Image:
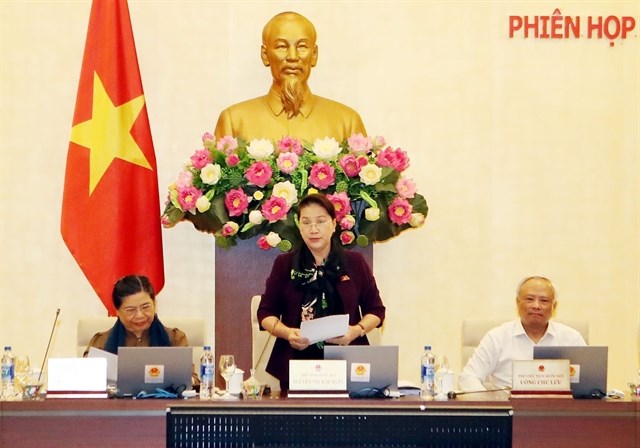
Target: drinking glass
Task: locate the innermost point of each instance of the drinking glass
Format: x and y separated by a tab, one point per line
227	369
441	371
22	371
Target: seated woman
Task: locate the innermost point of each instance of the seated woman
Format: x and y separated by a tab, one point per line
318	279
137	324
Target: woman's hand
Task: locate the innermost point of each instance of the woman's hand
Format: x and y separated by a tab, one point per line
352	333
296	340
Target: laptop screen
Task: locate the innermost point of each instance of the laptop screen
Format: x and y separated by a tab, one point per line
588	370
150	368
368	366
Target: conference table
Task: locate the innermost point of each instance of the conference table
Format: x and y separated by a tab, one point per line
535	422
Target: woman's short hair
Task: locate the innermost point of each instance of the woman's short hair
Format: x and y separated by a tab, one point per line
130	285
318	199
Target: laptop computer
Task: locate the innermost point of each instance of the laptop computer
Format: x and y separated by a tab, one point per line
150	368
368	366
588	370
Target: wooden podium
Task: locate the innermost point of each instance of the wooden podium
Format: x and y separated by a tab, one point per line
241	272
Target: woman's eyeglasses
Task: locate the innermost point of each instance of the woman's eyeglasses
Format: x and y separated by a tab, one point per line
146	308
318	224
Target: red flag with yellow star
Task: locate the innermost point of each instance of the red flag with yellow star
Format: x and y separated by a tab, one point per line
111	207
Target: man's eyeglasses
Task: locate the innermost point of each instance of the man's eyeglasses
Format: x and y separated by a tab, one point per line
146	308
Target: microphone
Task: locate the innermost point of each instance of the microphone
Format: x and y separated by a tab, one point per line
453	394
49	344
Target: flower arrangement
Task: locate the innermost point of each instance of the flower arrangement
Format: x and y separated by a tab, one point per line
234	189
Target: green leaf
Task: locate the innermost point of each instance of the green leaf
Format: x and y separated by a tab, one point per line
419	204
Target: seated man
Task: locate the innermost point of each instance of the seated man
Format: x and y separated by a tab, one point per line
492	360
289	109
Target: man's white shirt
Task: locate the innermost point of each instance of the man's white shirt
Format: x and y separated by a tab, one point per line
491	363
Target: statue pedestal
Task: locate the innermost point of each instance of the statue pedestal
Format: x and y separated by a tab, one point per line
241	273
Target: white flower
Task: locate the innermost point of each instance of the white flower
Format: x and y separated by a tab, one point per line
203	204
273	239
210	174
255	217
258	195
326	148
370	174
287	191
372	214
260	149
417	219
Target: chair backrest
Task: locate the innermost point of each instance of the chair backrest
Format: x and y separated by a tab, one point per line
192	327
261	341
473	330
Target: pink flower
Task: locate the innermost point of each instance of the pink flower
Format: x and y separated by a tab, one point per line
233	159
406	188
287	162
201	158
394	158
402	160
166	222
359	144
263	243
187	197
322	175
400	211
227	144
351	165
185	179
259	173
379	141
386	157
347	237
347	222
236	202
288	144
275	208
230	228
208	140
341	203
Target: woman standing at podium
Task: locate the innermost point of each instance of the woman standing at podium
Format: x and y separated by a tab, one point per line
316	280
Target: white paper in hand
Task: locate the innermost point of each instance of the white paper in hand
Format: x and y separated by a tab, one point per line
112	362
324	328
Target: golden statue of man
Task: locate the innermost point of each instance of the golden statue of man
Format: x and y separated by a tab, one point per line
289	109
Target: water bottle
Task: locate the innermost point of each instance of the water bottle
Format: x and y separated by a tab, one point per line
207	367
427	373
8	374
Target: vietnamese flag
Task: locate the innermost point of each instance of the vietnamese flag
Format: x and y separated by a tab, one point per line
111	208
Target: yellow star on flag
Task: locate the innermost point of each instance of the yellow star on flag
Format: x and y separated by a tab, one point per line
107	134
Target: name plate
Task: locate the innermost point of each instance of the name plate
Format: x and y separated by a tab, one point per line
541	375
317	375
77	378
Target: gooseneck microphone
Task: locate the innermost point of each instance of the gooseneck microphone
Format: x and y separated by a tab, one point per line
453	394
46	353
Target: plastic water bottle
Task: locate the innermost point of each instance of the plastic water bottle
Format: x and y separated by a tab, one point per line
8	374
207	370
427	373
